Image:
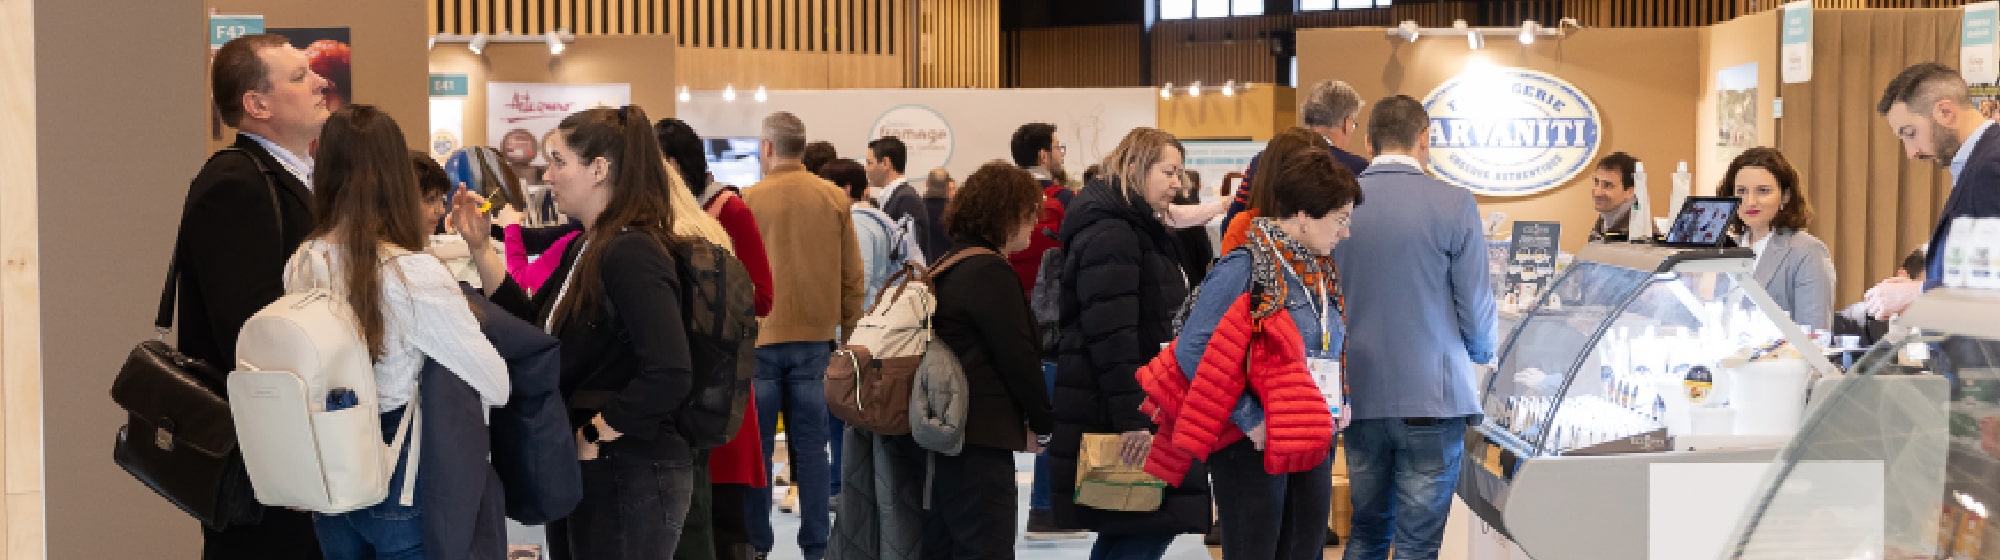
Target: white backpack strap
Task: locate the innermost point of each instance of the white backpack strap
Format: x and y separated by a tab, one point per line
411	430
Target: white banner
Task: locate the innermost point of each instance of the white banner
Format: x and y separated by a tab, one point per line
1797	38
1976	54
519	115
447	126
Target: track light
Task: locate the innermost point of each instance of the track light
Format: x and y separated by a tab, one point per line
556	46
729	93
685	96
1167	91
1229	88
1528	31
1475	40
760	96
433	44
1408	30
1194	89
478	44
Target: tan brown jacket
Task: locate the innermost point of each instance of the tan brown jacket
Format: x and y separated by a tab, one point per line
816	279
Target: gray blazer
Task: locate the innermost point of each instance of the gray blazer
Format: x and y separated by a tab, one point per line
1420	306
1798	272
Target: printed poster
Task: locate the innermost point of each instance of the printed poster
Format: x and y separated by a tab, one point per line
1797	40
520	116
1531	255
330	53
1735	110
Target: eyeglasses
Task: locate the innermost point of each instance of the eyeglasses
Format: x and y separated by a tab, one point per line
1344	221
1064	150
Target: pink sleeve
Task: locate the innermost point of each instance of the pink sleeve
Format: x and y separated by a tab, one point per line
532	275
517	253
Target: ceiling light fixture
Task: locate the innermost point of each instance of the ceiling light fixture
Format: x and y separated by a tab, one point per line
729	93
1167	91
1194	89
556	46
478	44
760	96
1229	88
685	95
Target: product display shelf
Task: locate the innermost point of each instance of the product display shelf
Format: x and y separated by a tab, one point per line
1577	412
1920	418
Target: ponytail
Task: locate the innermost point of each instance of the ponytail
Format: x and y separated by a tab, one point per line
639	199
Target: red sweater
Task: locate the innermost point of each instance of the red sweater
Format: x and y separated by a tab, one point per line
1193	415
741	461
1028	262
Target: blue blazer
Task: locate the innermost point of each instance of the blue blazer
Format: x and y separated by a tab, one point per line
1420	306
1976	193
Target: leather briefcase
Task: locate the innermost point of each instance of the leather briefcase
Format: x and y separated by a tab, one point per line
179	438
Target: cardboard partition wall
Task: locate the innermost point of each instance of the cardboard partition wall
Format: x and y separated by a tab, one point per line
644	62
1643	82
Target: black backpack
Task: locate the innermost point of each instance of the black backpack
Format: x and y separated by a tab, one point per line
719	306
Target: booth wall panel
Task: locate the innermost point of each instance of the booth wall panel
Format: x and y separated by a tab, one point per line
89	225
1872	205
647	63
1745	40
1642	81
385	33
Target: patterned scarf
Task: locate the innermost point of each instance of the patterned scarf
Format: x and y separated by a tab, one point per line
1273	251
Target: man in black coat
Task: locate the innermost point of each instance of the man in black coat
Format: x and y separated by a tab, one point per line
887	158
245	214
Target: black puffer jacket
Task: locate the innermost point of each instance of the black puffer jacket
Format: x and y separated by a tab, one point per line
1121	284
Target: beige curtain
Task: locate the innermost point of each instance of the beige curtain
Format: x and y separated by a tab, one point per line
1871	206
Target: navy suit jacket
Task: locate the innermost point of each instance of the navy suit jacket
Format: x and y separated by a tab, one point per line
1420	308
1976	193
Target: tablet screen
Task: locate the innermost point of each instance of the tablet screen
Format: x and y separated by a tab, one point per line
1703	221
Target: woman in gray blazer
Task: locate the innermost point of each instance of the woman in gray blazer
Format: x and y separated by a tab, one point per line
1793	266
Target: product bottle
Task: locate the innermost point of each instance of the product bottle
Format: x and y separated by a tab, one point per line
1979	261
1955	253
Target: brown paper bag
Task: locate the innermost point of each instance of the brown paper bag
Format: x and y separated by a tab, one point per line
1104	481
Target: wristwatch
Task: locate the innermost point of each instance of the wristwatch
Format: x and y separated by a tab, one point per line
590	433
1042	440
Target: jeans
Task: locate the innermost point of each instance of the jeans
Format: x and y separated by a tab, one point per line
1403	476
1038	494
792	377
384	531
632	509
1150	547
697	540
836	436
1281	517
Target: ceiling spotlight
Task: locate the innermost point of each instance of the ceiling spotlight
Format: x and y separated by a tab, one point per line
555	43
729	92
433	44
1167	91
1474	39
685	96
1246	86
1408	30
478	44
760	96
1229	88
1528	31
1194	89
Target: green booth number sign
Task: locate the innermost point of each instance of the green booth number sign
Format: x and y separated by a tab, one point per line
449	85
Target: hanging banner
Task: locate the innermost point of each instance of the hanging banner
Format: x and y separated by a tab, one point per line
1975	53
520	115
1511	131
448	93
1798	36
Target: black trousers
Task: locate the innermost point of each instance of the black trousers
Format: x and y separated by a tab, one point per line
731	525
283	534
632	509
698	535
1282	517
973	506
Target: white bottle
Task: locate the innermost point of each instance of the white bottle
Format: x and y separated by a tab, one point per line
1641	225
1979	261
1956	245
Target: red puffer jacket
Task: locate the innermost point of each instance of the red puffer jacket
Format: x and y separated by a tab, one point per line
1194	415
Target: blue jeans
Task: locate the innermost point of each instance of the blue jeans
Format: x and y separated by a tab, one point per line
1038	494
384	531
1282	516
1150	547
792	377
837	436
1403	476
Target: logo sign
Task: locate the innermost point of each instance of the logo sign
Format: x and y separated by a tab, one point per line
1511	131
1797	39
450	85
222	28
923	131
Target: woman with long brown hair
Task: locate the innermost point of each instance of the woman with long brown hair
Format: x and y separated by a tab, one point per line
1793	266
1282	148
614	302
369	248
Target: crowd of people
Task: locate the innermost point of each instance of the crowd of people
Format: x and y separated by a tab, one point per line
1351	296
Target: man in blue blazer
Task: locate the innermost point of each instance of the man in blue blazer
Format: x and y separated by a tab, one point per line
1931	111
1421	324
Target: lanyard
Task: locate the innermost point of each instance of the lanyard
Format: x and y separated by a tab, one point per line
1321	311
549	325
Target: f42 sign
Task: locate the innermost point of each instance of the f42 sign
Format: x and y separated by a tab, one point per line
1511	131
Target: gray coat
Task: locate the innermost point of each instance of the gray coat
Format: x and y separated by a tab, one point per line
1420	308
881	510
1798	273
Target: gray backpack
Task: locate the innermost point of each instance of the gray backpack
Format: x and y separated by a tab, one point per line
939	395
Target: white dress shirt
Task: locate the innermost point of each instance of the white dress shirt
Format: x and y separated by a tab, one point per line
1398	159
300	166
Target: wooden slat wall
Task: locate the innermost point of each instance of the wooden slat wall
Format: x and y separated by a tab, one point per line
964	41
1871	206
1087	56
839	26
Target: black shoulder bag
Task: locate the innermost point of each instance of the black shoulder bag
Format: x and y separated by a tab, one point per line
178	438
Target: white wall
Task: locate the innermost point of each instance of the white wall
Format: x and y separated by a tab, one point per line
982	121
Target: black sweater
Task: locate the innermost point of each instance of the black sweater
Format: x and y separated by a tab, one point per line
630	360
983	316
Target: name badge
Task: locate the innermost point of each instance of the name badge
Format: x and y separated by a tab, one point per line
1326	374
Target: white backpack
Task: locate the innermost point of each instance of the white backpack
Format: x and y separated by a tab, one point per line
290	356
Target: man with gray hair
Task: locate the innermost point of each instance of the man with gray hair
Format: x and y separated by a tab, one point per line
1330	110
1930	109
1421	318
816	278
937	192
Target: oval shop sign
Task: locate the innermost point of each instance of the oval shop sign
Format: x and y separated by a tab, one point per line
1511	131
924	132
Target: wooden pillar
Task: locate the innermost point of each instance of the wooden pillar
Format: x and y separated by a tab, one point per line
21	515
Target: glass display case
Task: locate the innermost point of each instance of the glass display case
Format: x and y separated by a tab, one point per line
1902	459
1629	359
